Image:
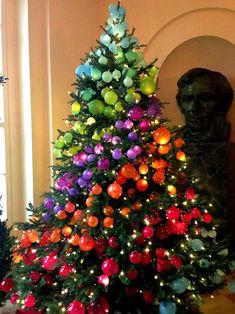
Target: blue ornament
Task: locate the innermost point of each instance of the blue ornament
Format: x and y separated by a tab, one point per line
118	30
105	39
83	70
196	244
113	47
125	43
180	285
167	307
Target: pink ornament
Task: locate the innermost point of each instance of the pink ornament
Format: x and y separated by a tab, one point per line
113	242
75	307
135	113
146	258
128	124
135	257
66	270
50	262
144	126
103	280
98	149
148	232
29	301
137	149
110	267
6	285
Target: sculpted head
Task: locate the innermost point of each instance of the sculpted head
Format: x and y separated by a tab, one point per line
204	98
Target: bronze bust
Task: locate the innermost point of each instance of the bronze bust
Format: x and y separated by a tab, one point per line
204	98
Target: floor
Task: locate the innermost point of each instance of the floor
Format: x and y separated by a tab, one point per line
222	303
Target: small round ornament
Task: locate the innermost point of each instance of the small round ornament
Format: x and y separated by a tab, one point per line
135	257
86	243
110	267
135	113
6	285
95	74
110	97
147	85
167	307
114	190
107	76
75	307
96	107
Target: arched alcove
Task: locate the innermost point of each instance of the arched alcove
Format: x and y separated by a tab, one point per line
206	51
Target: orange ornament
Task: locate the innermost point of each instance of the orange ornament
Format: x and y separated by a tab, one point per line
45	239
179	142
120	179
78	215
153	196
128	171
32	235
137	205
159	176
24	242
66	230
160	163
142	185
180	155
143	169
75	239
171	189
92	221
108	210
150	148
69	207
61	214
164	149
108	222
114	190
86	243
125	211
96	189
55	237
89	201
161	135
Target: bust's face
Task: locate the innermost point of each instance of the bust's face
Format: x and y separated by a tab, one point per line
198	104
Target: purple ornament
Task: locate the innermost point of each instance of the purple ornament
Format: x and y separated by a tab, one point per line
89	186
153	110
57	208
116	154
128	124
80	159
132	136
144	126
107	137
116	140
99	148
49	203
67	180
91	158
73	192
119	124
135	113
137	149
46	216
88	149
82	182
131	154
103	164
87	174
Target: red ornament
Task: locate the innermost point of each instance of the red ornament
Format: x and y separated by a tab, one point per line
29	258
69	207
173	213
132	274
120	179
86	243
195	212
148	296
207	218
110	267
160	253
187	217
131	192
113	242
145	258
66	270
14	298
114	190
49	279
100	245
99	306
29	301
162	232
135	257
142	185
6	285
190	194
50	262
162	265
148	232
139	240
45	239
75	307
128	171
35	276
176	261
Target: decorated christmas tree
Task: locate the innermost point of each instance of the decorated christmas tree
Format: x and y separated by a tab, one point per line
123	229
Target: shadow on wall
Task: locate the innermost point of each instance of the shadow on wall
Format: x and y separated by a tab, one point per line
208	52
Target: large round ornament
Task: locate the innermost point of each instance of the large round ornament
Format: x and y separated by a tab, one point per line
110	97
128	171
75	307
75	109
6	285
96	107
161	135
110	267
114	190
86	243
167	307
147	85
29	301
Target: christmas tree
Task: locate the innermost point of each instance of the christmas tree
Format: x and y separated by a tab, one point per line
123	228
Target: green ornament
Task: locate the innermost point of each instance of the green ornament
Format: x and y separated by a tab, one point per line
59	143
120	60
153	71
110	97
86	94
90	121
75	108
116	74
132	56
74	149
104	91
107	77
147	85
95	74
96	137
103	60
109	112
129	98
96	107
79	127
68	137
128	82
119	106
57	153
131	72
